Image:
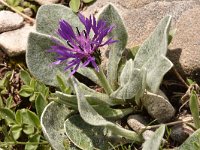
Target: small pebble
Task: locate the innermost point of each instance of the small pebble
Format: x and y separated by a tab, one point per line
10	21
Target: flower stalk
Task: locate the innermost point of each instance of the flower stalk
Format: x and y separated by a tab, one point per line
104	82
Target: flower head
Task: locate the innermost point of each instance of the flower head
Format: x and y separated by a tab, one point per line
82	49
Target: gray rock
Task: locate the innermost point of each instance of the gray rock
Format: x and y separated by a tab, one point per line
181	132
15	42
185	46
141	22
43	2
137	123
10	21
158	106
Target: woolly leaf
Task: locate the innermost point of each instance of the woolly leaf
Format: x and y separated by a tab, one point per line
111	16
48	17
52	122
154	142
39	60
90	116
192	143
130	82
79	132
151	55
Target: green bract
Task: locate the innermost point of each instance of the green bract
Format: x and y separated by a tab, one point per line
124	84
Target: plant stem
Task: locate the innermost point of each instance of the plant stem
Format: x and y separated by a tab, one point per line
104	81
131	135
17	11
169	124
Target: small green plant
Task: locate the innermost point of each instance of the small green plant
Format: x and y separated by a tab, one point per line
75	4
21	127
194	107
20	5
36	91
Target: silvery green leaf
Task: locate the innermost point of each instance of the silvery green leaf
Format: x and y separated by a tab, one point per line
151	55
111	16
143	86
126	73
130	82
112	114
90	74
192	143
94	99
52	122
48	17
88	137
103	97
89	115
99	105
154	142
39	60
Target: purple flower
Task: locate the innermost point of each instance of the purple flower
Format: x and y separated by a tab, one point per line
82	49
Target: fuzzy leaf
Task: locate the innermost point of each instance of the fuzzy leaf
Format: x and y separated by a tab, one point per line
111	16
102	97
92	99
74	5
154	142
151	55
90	74
100	106
63	87
110	113
48	17
130	82
79	132
52	122
39	61
192	142
90	116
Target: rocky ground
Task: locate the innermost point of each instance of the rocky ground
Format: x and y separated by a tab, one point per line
140	18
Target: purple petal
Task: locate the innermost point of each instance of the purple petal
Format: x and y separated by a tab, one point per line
95	65
86	62
82	18
66	27
70	64
75	69
109	41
